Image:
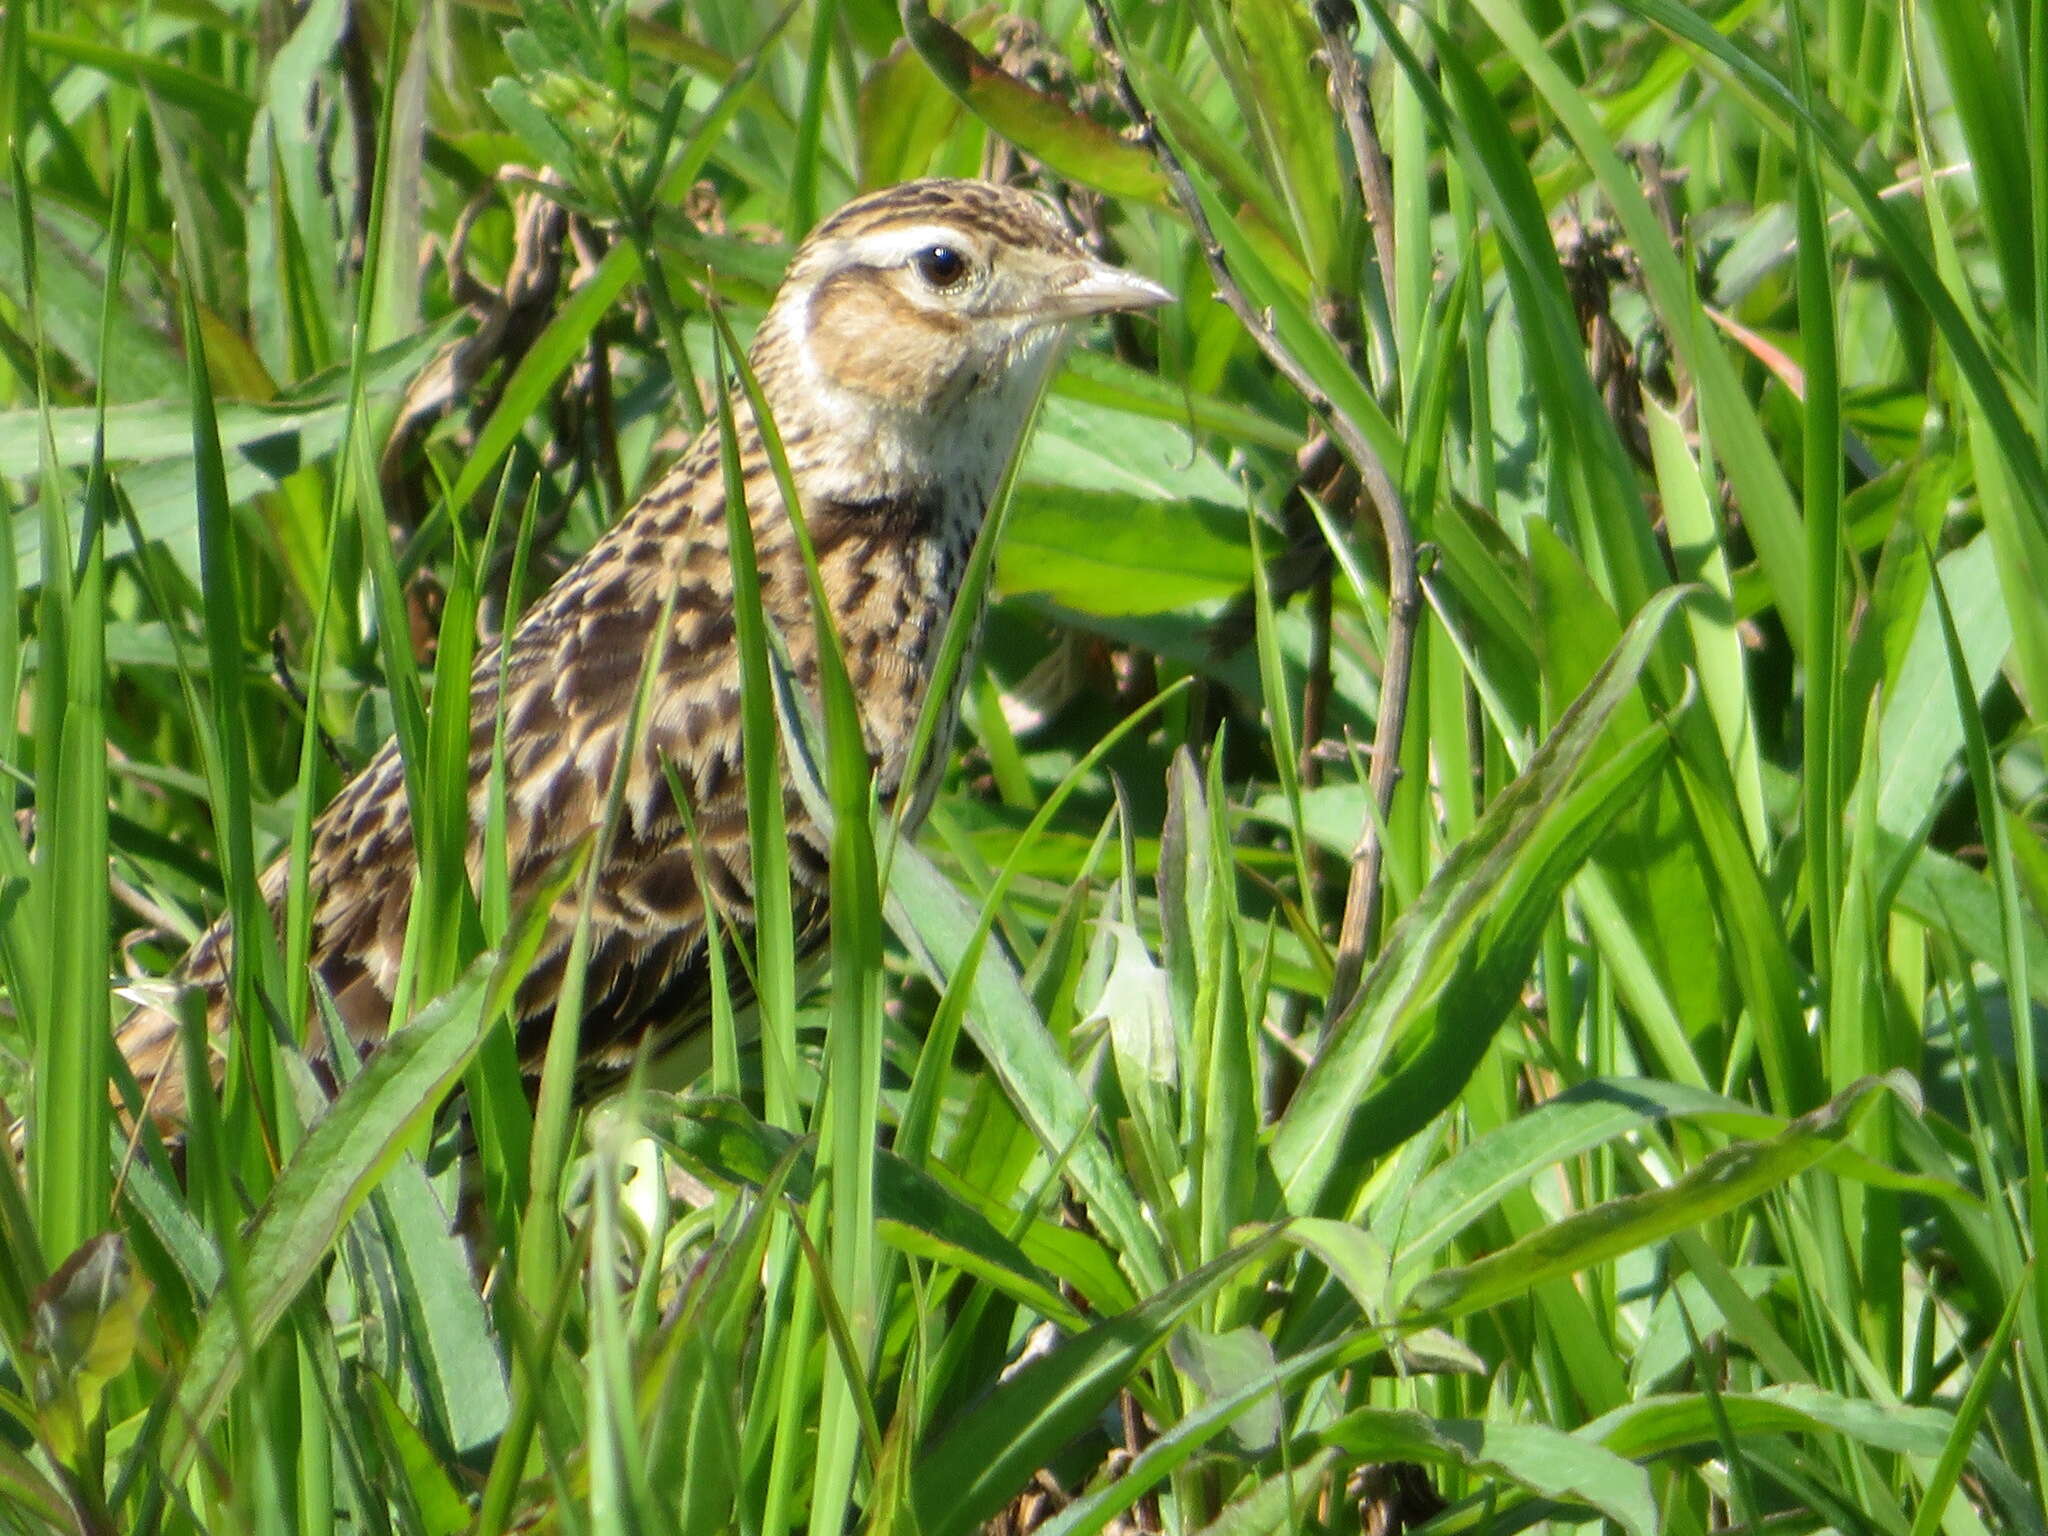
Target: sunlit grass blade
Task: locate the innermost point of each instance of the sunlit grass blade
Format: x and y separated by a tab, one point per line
227	737
2030	1213
929	915
1722	1181
343	1154
775	1440
849	1124
1529	841
1827	748
1071	143
72	1070
915	1132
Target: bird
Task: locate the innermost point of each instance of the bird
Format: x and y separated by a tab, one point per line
899	362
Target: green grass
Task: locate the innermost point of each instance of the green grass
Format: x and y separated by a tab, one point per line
1679	1165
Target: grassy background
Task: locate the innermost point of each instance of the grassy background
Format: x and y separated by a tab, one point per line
1678	1163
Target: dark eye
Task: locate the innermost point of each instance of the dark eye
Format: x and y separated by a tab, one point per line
940	265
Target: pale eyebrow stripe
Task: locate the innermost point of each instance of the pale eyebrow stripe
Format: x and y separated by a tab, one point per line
878	246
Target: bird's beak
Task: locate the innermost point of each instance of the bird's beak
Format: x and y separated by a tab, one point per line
1096	288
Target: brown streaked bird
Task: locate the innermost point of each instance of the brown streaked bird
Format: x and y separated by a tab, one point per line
899	362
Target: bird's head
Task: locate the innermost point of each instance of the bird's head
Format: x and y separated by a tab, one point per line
919	298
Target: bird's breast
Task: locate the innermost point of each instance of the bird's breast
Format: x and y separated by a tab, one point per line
892	570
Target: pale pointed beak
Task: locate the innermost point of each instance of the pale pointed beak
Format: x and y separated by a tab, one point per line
1100	289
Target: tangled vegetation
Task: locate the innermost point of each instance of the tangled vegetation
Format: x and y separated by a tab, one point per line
1476	966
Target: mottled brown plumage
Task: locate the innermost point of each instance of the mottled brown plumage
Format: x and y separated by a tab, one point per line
898	360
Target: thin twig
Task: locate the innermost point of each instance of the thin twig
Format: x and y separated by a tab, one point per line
1404	602
1375	177
1376	187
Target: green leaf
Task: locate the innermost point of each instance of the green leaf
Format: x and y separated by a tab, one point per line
435	1501
982	1460
1454	964
1284	1502
455	1359
1920	732
938	925
1649	860
1769	513
1074	146
262	446
1220	1365
209	99
1656	1426
563	341
344	1155
87	1320
1284	88
538	128
694	1436
1957	1444
1117	556
78	299
1467	1186
1721	1182
914	1213
907	118
1546	1461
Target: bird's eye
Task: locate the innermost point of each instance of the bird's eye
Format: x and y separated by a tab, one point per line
940	265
